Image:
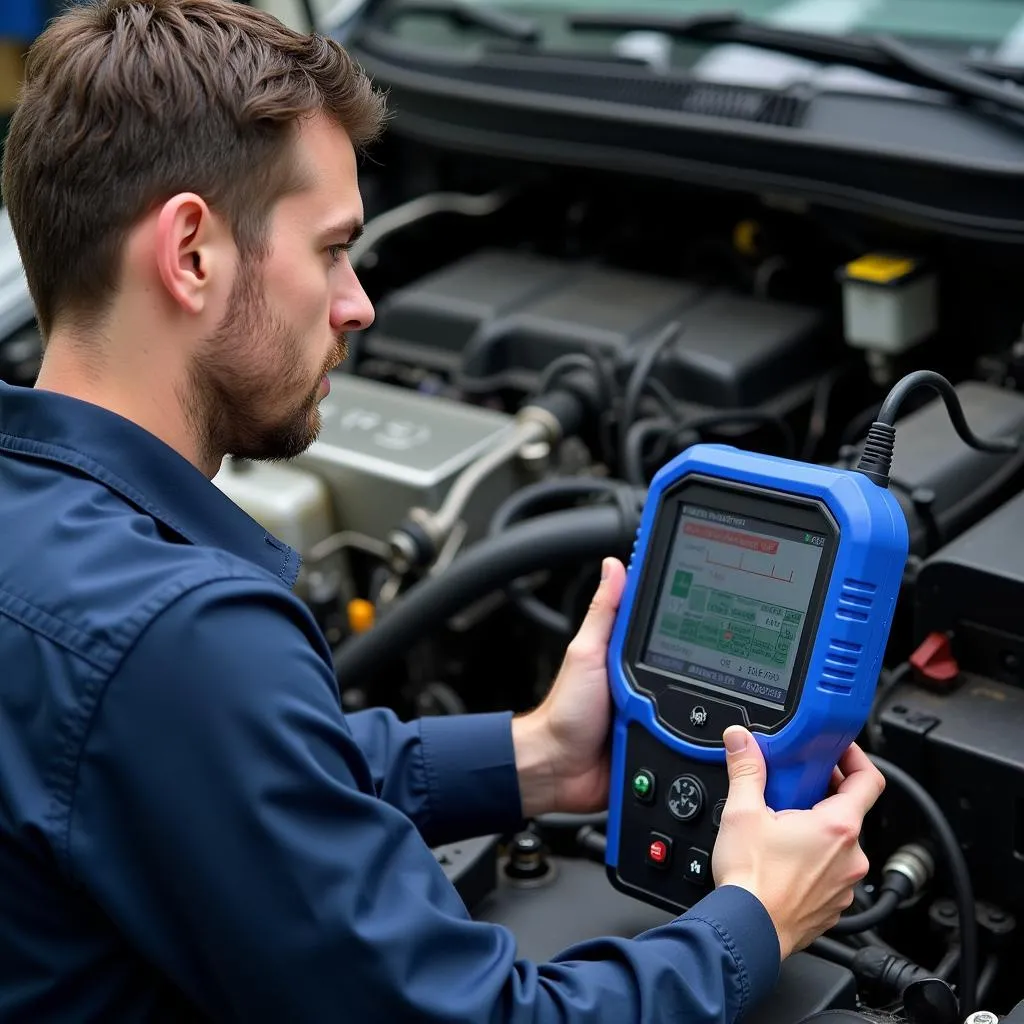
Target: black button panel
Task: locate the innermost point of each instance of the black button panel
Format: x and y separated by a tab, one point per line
698	717
667	842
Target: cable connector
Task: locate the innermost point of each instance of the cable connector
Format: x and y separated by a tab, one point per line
892	971
908	871
876	459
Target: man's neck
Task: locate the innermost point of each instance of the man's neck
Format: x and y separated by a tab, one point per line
149	399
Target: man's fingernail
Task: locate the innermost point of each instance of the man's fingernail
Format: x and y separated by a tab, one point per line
735	740
606	567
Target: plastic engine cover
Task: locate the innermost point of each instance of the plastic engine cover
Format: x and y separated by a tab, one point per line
508	315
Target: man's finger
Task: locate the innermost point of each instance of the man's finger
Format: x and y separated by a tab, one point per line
745	764
863	783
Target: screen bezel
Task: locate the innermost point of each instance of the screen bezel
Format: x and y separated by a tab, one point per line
802	513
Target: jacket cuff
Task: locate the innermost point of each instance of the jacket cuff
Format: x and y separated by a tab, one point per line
470	766
749	933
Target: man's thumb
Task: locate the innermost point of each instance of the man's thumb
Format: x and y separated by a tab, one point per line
596	629
745	764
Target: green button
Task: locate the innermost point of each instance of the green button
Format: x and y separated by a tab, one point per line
643	785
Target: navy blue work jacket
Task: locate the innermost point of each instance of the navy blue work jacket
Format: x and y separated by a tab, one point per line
190	826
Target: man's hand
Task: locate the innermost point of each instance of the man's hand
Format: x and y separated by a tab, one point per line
801	865
562	747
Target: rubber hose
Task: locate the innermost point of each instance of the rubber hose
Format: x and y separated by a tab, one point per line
560	488
832	950
879	911
514	508
491	564
961	878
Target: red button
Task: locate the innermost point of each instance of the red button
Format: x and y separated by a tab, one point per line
658	851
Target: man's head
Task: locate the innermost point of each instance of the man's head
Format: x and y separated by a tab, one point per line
181	179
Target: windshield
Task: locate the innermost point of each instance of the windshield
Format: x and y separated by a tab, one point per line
992	29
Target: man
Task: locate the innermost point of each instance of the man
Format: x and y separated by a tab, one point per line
190	828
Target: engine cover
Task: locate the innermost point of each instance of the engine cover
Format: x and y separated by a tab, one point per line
384	449
503	315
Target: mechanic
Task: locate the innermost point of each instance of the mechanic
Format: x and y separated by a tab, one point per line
190	827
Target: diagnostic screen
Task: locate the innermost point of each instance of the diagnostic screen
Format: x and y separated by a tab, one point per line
734	601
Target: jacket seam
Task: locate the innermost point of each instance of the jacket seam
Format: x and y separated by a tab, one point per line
59	632
65	456
737	959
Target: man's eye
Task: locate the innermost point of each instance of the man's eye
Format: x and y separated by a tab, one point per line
337	251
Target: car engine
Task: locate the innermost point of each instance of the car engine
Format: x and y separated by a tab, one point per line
544	340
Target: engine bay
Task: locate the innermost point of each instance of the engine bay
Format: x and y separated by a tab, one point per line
492	436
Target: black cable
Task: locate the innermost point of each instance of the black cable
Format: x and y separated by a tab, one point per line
592	843
832	949
817	423
887	683
961	878
948	964
560	490
876	458
637	435
875	914
928	378
637	381
547	542
573	361
514	508
988	976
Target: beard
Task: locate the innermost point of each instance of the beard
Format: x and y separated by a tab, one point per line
249	393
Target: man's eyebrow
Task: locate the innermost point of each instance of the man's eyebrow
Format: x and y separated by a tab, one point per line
352	228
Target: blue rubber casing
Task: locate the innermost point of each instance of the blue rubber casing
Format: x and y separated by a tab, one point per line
846	653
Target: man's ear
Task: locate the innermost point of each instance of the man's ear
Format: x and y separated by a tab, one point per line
189	251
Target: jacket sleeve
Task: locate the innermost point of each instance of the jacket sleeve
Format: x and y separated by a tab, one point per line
227	822
454	776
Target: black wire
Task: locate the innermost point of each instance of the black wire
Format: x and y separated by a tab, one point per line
878	912
988	976
837	952
817	423
961	878
887	683
638	379
559	491
928	378
948	964
639	433
632	453
574	360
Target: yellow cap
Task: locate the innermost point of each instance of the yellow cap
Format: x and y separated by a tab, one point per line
744	237
361	615
880	269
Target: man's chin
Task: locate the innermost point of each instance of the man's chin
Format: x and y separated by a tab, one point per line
287	442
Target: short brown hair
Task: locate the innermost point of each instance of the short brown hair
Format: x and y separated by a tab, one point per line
126	103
